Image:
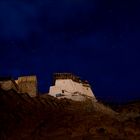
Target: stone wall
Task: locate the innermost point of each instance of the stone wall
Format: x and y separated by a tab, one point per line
28	84
8	84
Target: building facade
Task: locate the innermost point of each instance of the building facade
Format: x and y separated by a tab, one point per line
67	85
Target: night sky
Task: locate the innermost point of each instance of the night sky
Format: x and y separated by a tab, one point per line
97	40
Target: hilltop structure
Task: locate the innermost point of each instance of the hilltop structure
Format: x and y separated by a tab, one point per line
25	84
67	85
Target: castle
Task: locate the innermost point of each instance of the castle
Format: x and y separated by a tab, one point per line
65	85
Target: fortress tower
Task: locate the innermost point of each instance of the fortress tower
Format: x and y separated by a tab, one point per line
27	84
67	85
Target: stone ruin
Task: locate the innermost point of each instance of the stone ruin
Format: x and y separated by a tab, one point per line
66	85
25	84
28	84
7	83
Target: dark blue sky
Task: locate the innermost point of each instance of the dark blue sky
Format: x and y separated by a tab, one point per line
98	40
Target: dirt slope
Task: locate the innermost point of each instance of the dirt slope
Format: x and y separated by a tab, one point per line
46	118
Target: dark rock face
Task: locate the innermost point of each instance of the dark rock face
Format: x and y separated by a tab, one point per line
47	118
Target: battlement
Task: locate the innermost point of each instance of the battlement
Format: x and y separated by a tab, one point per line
66	76
71	76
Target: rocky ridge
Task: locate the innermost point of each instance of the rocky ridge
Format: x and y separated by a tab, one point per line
44	117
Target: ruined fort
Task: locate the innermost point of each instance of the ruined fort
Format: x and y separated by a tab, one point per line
64	114
24	84
65	85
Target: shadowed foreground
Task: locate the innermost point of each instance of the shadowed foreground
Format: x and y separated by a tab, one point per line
47	118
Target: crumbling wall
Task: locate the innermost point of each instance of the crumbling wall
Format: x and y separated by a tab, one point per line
28	84
8	84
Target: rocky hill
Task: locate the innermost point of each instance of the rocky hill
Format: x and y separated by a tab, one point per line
47	118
